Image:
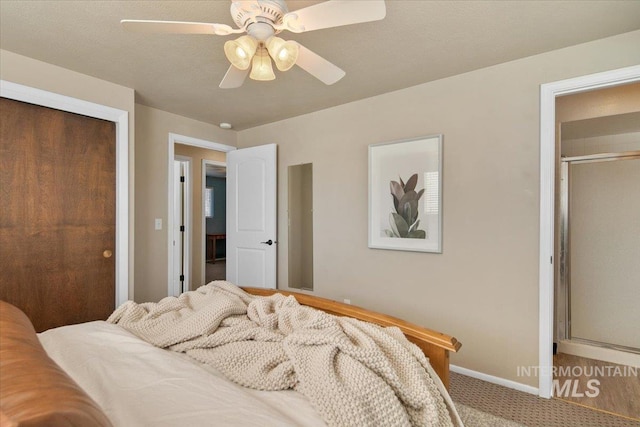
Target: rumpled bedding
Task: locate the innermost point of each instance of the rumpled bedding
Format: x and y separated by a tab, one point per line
354	373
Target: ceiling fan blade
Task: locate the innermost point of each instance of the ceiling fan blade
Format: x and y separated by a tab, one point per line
333	13
177	27
234	78
318	67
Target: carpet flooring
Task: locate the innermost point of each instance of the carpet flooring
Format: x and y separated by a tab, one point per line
527	409
472	417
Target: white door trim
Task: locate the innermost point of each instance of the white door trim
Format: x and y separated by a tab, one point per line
548	94
187	163
173	139
121	119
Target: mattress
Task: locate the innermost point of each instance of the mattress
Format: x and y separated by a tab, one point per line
137	384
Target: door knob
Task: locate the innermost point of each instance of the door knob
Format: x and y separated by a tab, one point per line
268	242
107	253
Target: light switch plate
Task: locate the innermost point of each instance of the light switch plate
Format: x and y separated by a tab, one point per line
158	224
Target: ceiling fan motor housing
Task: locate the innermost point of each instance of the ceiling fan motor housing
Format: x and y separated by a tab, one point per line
258	16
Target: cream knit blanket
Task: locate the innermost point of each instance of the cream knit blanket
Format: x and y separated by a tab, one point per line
354	373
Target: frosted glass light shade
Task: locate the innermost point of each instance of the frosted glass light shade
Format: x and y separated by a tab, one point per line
284	53
261	68
240	51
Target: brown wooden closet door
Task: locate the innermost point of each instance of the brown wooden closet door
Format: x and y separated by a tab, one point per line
57	214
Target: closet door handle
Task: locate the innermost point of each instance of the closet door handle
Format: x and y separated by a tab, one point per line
107	253
268	242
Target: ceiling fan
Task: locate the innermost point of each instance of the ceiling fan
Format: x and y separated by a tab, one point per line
262	20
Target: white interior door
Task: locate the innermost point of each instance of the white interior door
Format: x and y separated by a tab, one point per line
251	216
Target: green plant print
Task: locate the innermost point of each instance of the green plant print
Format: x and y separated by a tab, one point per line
404	221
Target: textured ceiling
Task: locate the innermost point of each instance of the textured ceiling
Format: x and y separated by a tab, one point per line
417	42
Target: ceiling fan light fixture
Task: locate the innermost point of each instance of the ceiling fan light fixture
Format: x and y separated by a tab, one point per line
261	20
284	53
262	69
240	51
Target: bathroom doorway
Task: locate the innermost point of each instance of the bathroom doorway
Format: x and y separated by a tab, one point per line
598	277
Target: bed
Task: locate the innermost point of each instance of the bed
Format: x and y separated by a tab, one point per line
103	374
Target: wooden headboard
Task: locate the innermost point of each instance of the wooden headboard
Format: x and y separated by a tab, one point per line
435	345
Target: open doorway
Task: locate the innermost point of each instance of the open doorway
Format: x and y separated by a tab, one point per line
549	159
596	282
197	150
215	218
596	313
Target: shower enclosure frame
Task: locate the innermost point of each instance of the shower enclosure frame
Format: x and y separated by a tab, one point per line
564	278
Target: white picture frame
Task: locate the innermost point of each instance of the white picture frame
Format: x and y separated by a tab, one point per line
405	195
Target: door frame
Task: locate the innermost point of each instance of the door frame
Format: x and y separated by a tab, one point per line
548	94
173	139
56	101
187	221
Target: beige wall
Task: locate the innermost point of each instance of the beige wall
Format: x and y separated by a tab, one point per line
29	72
483	288
197	233
598	103
601	144
152	135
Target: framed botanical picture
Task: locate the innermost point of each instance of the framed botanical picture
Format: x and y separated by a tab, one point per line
405	195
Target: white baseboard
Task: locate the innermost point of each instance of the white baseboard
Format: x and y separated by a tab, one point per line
495	380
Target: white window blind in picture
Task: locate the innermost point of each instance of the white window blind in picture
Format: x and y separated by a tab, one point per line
208	202
431	193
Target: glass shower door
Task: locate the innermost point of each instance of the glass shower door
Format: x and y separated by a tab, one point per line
603	251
